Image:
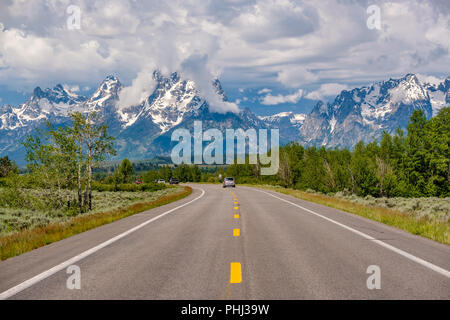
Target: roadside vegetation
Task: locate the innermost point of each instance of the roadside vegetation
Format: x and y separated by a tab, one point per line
402	180
428	219
28	239
415	164
59	196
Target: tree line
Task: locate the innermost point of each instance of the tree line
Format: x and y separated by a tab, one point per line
411	164
415	163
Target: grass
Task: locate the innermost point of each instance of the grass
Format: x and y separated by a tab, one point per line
429	226
33	209
26	240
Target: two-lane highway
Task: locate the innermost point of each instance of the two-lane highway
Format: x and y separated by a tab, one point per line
240	243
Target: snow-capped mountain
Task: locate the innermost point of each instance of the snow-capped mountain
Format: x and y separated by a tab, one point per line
141	131
289	123
42	104
144	130
175	103
364	113
53	105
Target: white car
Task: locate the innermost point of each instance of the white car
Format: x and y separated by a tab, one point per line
160	181
229	182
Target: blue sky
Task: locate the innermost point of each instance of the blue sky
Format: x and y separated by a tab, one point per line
271	56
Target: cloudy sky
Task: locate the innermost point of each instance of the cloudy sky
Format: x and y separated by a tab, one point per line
270	55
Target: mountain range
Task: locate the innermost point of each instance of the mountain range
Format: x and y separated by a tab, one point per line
144	130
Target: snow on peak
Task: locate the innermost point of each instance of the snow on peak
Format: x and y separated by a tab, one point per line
107	92
408	91
294	118
171	100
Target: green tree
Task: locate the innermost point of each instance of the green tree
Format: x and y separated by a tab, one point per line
196	173
64	157
416	153
7	167
93	145
437	146
126	171
51	159
364	171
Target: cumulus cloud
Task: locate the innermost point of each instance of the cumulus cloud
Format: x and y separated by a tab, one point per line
430	79
196	68
291	98
263	43
141	87
71	88
295	76
326	90
265	90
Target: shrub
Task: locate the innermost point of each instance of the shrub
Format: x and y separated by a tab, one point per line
130	187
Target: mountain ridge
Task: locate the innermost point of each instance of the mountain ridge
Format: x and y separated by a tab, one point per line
143	130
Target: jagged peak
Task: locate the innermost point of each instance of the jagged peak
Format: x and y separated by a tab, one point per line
320	107
110	84
111	81
111	78
37	93
60	88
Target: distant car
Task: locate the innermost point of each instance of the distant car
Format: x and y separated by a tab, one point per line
138	181
229	182
160	181
173	181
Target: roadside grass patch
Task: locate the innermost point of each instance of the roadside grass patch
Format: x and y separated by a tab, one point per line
25	240
428	222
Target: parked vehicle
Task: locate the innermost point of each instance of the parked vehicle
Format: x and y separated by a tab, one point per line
173	181
229	182
160	181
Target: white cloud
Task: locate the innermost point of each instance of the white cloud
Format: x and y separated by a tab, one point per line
141	87
196	68
295	76
259	43
71	88
291	98
429	79
265	90
326	90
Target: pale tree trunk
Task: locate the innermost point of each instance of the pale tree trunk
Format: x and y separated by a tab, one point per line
79	188
88	192
89	188
382	169
330	174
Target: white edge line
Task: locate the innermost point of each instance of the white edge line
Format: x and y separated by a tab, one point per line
30	282
407	255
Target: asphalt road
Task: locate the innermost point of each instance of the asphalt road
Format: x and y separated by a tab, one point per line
284	248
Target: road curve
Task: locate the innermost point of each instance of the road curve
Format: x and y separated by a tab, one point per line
239	243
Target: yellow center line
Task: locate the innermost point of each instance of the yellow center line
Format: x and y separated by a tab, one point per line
235	272
236	232
236	208
236	216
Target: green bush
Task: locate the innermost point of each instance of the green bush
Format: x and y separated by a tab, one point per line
130	187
